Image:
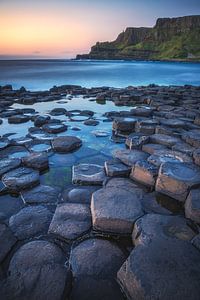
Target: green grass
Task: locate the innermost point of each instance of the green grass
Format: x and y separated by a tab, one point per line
184	46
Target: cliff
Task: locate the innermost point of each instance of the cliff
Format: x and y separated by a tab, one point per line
169	39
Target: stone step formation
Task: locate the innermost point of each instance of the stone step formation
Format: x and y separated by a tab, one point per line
125	227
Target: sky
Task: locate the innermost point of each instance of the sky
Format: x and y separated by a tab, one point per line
64	28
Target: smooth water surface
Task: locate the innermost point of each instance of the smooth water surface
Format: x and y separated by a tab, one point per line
43	74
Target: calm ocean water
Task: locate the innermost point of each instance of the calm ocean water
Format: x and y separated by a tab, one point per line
43	74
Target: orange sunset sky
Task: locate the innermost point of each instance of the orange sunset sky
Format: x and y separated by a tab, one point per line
63	28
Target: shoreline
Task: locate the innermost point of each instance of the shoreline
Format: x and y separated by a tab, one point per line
103	59
106	177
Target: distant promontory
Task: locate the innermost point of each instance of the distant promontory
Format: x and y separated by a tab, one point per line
170	39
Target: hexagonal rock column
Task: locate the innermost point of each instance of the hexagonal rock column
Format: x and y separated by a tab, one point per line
124	124
162	156
145	173
88	174
192	138
8	164
38	161
20	179
152	148
162	269
94	263
30	221
65	144
54	127
164	139
192	205
136	140
115	210
130	157
115	167
156	226
37	271
7	240
196	156
176	179
70	220
41	194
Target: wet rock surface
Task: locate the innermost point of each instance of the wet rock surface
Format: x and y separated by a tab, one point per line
109	212
116	168
21	178
8	164
37	271
38	161
30	221
88	174
96	277
176	179
41	194
66	144
70	220
130	157
7	240
115	210
152	235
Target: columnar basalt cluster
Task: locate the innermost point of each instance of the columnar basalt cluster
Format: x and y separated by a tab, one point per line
127	225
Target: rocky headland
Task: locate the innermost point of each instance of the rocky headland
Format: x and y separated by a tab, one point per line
170	39
122	226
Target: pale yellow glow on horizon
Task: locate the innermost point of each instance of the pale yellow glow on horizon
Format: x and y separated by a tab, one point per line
55	28
26	34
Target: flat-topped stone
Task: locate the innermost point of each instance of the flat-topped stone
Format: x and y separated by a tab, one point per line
38	161
147	263
192	138
14	152
192	205
80	194
94	264
184	148
30	221
115	210
130	157
174	123
91	122
152	148
70	221
21	178
136	140
95	257
115	167
41	194
65	144
164	139
17	119
7	240
176	179
143	111
54	127
41	120
145	173
8	164
157	226
88	174
124	124
37	271
162	156
4	142
196	156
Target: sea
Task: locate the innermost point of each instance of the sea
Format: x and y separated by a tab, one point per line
43	74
